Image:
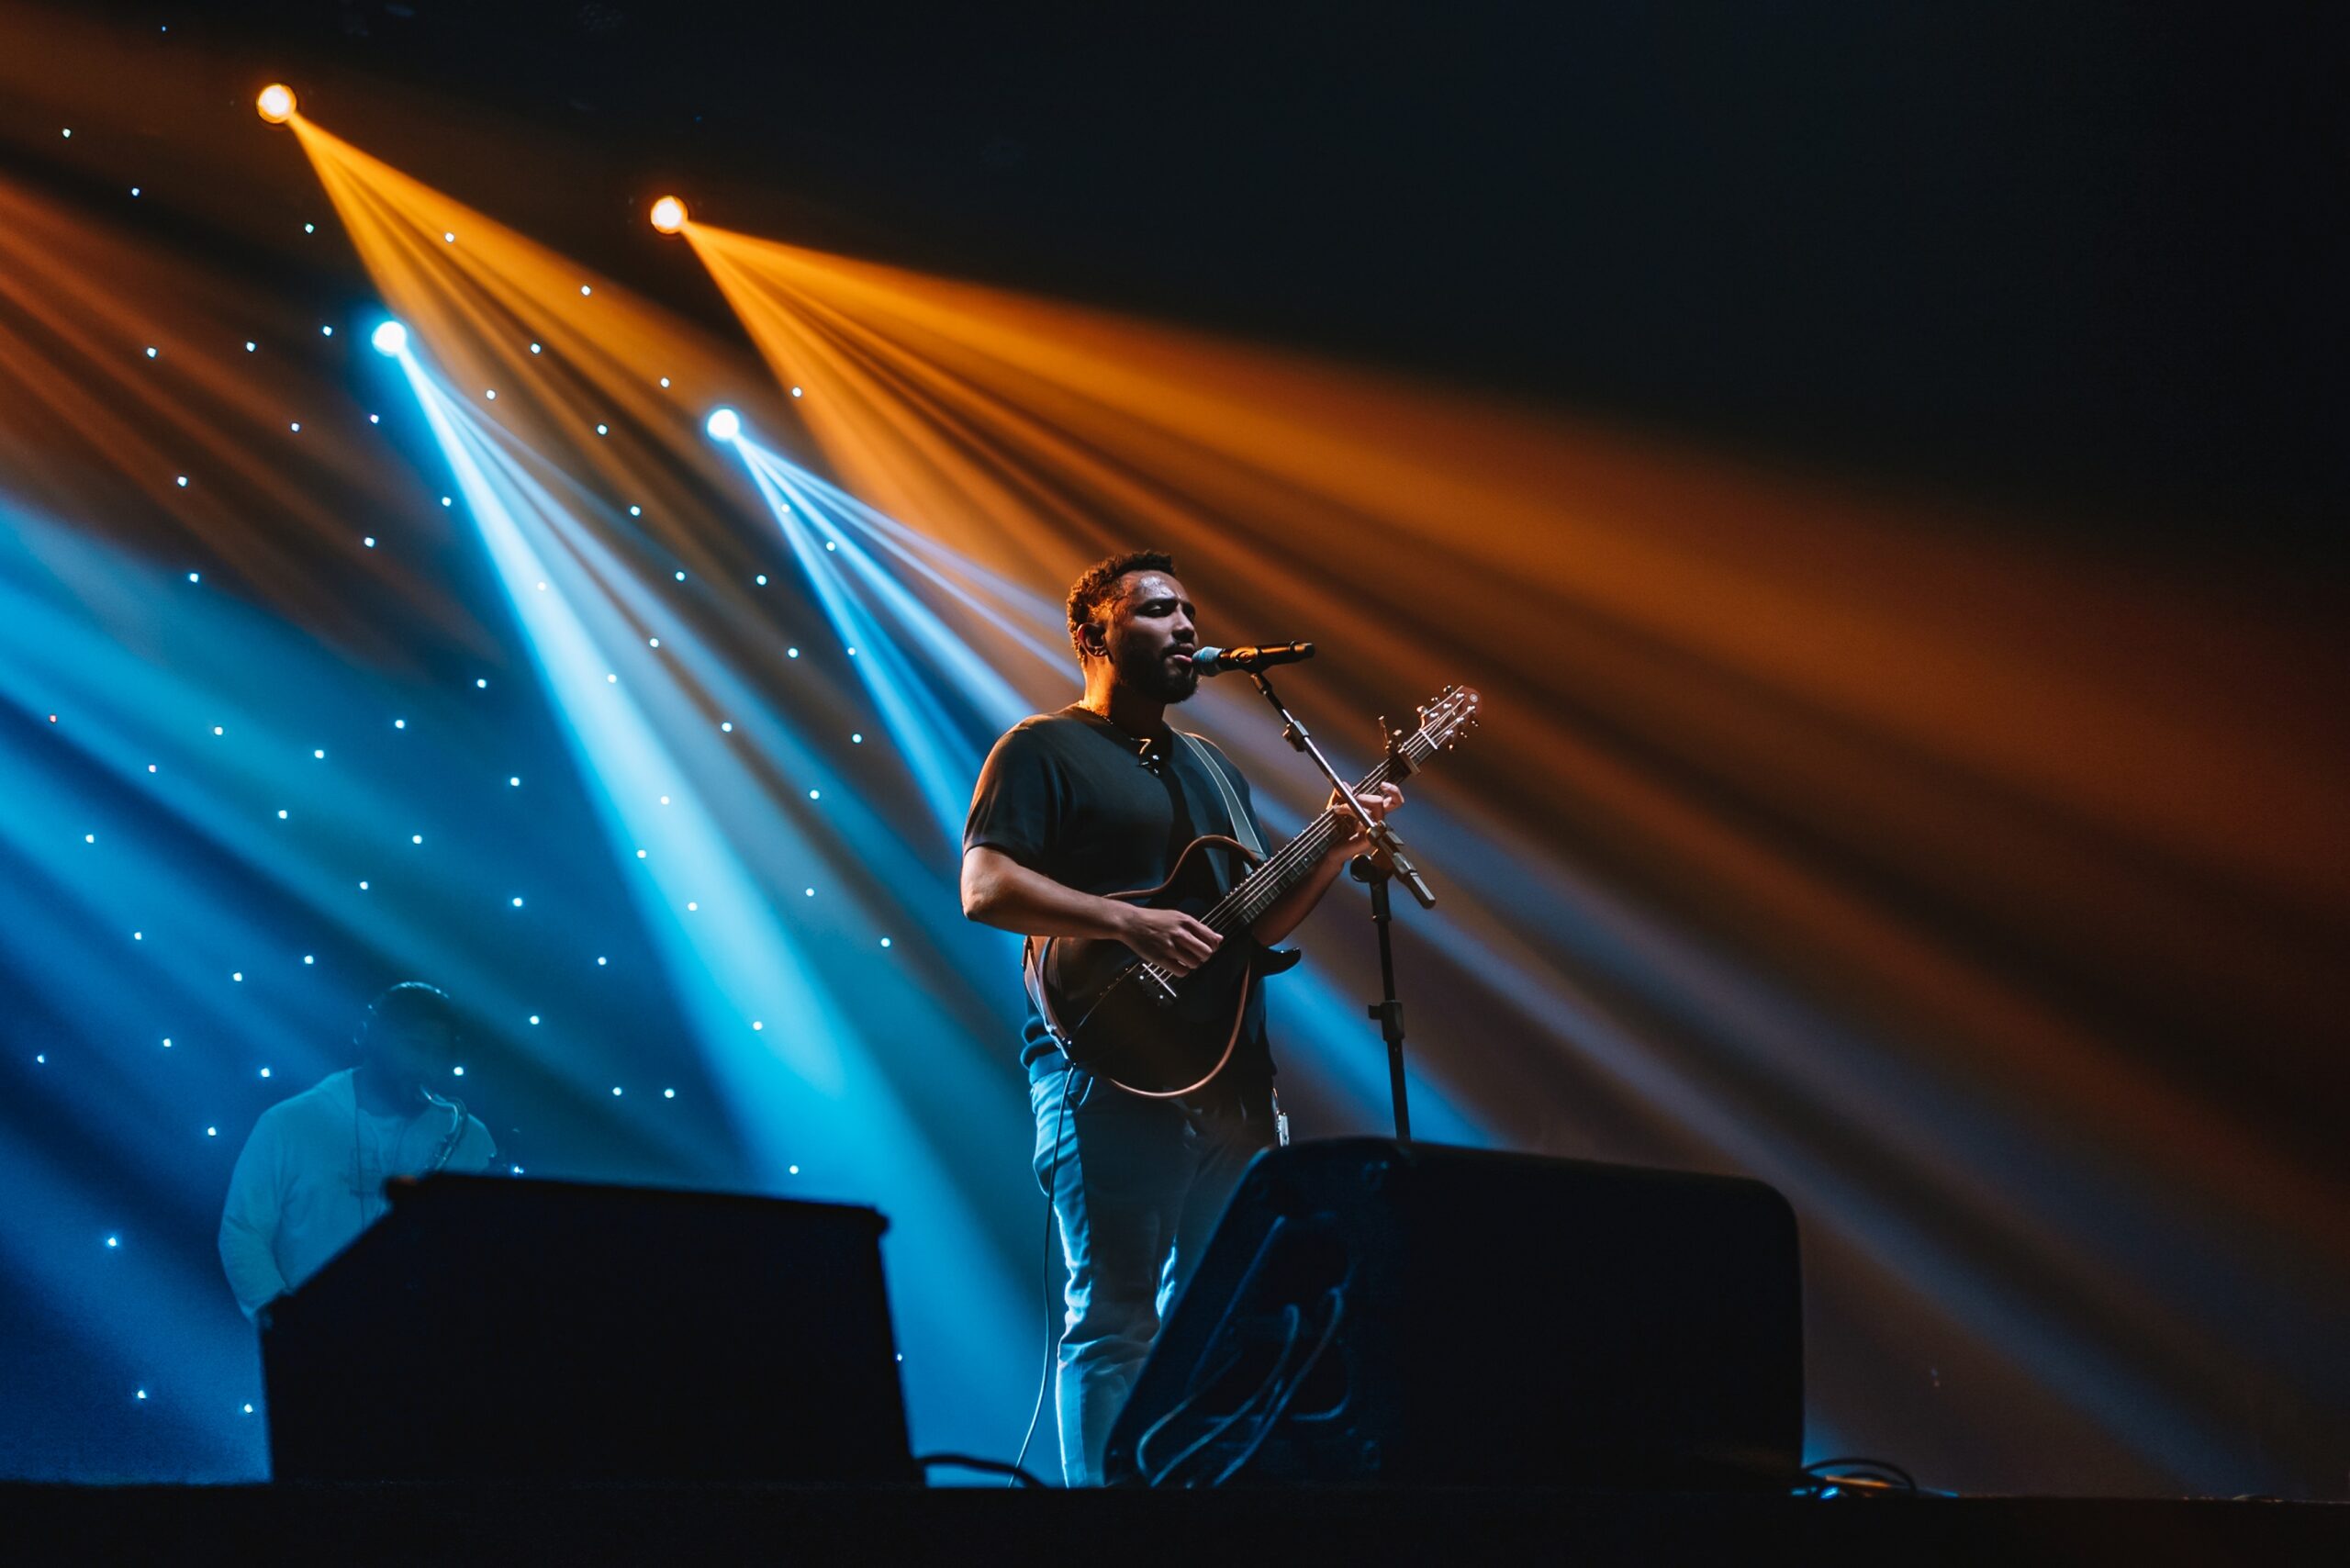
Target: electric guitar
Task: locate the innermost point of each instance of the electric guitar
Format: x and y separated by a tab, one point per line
1157	1034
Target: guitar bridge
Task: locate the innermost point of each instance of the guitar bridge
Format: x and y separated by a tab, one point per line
1157	987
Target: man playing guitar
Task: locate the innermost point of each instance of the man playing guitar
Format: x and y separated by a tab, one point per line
1103	799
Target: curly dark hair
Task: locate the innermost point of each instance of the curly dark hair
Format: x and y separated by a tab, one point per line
1087	595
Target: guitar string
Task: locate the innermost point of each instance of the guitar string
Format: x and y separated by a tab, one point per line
1307	844
1310	841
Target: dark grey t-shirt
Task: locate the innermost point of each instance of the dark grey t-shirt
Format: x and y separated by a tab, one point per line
1068	795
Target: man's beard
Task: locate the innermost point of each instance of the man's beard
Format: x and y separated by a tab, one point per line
1155	675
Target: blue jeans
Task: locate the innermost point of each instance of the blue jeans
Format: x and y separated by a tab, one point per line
1138	1189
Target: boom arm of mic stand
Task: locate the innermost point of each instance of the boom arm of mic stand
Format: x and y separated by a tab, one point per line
1388	850
1385	846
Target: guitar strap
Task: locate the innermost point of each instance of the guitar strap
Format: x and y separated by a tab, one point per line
1242	828
1032	951
1269	961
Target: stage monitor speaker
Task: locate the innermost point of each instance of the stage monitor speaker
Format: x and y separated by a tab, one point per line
1375	1311
503	1330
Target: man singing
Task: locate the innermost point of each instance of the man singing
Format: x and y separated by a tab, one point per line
1102	798
311	1176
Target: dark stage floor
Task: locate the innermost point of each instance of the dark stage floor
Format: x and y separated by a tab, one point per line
252	1525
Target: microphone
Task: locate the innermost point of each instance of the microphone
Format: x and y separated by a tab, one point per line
1219	661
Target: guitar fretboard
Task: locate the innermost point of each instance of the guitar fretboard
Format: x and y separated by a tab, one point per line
1263	888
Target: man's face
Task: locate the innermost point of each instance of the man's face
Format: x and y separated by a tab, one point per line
1148	632
414	1054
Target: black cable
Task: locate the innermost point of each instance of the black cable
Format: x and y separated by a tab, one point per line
1829	1487
1052	1301
1877	1476
1293	1321
1862	1462
1019	1477
1201	1385
1280	1407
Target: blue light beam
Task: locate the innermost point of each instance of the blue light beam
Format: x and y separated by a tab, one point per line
804	1083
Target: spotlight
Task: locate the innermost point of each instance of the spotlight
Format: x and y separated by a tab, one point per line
275	103
390	339
725	424
668	215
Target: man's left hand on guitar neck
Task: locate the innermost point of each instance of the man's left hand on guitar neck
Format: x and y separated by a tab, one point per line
1375	805
1282	919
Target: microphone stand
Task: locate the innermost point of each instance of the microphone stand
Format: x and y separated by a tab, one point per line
1387	1013
1387	861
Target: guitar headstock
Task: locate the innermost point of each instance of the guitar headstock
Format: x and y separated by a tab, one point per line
1450	716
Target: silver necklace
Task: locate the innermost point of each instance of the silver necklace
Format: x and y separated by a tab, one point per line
1148	753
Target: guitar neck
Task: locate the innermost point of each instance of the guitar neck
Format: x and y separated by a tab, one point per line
1263	887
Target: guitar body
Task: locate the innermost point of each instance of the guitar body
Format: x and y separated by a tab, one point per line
1158	1035
1111	1015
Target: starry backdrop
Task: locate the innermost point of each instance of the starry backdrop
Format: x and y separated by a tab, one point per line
279	724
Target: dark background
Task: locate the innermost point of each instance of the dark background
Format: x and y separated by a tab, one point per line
2082	259
2074	272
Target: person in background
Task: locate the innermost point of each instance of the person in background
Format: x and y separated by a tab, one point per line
311	1175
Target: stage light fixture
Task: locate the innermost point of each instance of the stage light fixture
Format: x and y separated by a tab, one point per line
276	102
668	215
390	339
725	424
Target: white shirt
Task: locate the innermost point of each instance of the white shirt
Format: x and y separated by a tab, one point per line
312	1178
